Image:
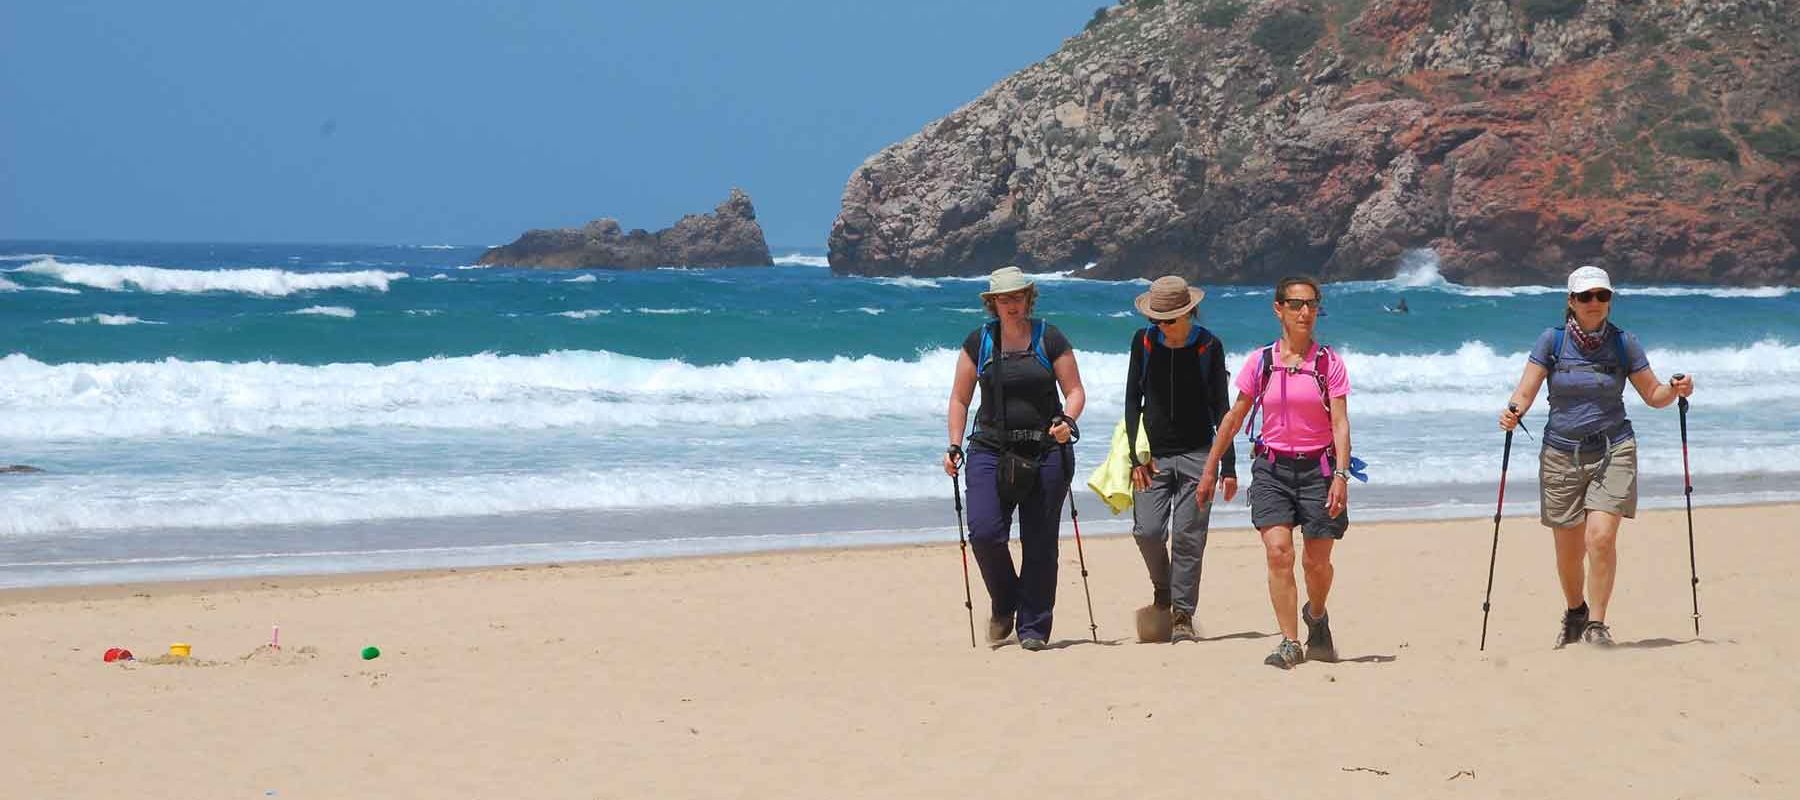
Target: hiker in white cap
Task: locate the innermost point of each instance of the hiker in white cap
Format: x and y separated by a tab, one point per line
1587	473
1176	379
1016	457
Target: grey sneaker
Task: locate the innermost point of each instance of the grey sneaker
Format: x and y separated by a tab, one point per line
1031	643
999	628
1183	629
1286	655
1318	636
1575	620
1597	634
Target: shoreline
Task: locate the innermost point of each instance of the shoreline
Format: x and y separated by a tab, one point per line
316	580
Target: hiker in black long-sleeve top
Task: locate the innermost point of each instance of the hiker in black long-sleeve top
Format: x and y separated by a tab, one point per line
1178	382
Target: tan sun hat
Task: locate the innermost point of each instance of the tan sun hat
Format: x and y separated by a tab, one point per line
1006	280
1169	297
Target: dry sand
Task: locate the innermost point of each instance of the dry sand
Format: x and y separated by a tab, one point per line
849	674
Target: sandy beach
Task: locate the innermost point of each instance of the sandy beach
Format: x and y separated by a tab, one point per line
849	673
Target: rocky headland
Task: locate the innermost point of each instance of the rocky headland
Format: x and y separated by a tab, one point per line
1237	140
728	237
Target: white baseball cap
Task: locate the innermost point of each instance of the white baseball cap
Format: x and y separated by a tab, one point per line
1590	277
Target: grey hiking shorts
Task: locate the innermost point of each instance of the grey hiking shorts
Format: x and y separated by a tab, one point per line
1292	491
1602	480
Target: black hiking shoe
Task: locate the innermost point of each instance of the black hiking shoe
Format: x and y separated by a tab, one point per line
1183	629
1318	636
1032	643
1286	655
1575	621
1597	634
999	628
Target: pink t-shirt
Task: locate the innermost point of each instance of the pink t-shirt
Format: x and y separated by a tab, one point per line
1293	418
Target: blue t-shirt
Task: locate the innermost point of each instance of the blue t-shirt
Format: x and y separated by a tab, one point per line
1585	403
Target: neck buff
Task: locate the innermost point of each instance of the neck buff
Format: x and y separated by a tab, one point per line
1586	342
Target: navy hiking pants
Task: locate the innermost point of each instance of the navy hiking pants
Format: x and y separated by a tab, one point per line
1029	593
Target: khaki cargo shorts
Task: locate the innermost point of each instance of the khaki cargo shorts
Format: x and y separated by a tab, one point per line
1601	481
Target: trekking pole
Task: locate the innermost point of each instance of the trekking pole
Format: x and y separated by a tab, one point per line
1687	493
1075	519
1494	555
968	599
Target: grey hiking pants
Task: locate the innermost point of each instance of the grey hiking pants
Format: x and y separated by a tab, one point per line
1173	557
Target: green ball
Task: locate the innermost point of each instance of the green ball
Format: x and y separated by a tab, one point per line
371	652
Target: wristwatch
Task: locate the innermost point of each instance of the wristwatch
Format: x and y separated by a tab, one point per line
1341	473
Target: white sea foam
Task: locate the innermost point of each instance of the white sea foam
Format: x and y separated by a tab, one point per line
326	311
27	256
259	500
440	277
587	313
602	391
798	260
107	319
436	247
873	312
588	278
1418	270
424	312
56	289
160	280
671	311
8	286
909	282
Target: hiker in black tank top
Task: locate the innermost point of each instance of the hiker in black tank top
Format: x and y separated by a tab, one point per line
1021	429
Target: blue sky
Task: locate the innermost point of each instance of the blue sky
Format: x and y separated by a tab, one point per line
453	121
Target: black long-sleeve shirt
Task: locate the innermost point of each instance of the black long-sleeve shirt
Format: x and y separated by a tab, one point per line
1182	395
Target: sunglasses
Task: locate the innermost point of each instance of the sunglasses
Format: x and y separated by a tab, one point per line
1591	295
1161	322
1296	303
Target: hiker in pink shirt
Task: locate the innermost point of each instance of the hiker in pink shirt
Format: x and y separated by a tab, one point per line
1299	465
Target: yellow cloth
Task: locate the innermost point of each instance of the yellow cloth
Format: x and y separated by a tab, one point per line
1112	479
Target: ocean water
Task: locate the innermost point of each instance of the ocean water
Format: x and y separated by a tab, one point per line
232	410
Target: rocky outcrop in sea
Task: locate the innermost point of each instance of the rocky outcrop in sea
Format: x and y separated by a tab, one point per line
1237	140
728	237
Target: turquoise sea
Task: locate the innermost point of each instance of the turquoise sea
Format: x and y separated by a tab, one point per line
228	410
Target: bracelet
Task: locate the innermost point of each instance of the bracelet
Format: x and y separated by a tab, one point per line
954	451
1341	473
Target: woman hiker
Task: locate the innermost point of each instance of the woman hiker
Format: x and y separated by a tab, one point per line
1016	455
1300	465
1176	379
1587	468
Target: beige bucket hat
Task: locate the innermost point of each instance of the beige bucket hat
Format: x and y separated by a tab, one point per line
1006	280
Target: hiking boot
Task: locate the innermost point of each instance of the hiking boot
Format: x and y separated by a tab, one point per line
999	628
1183	629
1575	620
1032	643
1597	634
1286	654
1318	636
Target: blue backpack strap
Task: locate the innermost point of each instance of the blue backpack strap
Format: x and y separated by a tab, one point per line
1144	368
1037	345
985	356
1556	346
